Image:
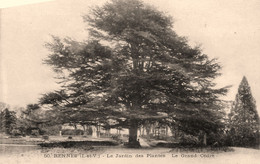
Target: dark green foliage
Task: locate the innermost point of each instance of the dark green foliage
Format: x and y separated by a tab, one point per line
72	132
244	119
49	129
147	72
37	121
189	140
31	107
8	121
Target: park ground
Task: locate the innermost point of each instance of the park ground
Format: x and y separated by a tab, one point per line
26	149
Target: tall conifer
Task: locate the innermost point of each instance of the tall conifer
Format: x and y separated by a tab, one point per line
244	119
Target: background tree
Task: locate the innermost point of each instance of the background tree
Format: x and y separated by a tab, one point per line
145	72
64	107
35	120
8	121
3	106
244	119
1	121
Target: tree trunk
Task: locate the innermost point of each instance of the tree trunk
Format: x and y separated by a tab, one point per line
132	141
176	133
148	131
94	131
205	139
98	131
84	128
107	132
153	129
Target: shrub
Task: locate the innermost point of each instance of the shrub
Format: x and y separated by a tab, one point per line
189	140
51	130
218	139
35	132
16	132
115	136
45	137
72	132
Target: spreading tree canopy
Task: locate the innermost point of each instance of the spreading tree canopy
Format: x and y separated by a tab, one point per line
134	67
244	119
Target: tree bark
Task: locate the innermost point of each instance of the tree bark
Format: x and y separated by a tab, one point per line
84	129
98	131
148	129
153	129
132	140
108	132
205	139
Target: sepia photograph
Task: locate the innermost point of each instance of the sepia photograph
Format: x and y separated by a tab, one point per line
129	81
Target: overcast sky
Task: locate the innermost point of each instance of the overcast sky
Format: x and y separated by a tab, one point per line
227	30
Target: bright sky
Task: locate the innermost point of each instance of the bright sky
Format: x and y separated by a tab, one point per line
228	30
